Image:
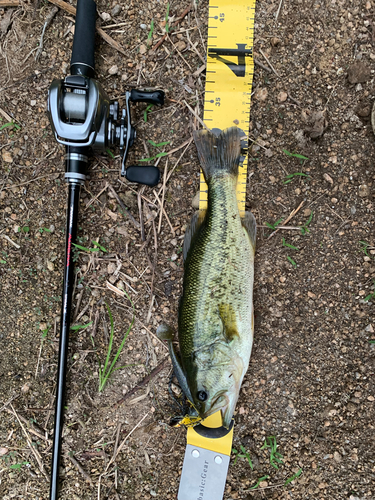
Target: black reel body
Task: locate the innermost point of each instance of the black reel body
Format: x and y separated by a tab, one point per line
82	115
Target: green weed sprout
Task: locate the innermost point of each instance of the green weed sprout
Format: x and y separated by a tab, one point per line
274	225
150	33
263	478
285	244
166	20
275	456
370	295
290	177
295	155
106	371
304	228
244	454
297	474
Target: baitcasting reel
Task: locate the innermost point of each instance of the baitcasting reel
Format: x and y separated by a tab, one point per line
82	116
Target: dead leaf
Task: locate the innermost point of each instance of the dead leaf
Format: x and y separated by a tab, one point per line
7	21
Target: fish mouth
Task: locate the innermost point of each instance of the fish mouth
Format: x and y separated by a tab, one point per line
226	404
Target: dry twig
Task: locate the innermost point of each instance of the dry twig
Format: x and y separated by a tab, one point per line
143	382
288	218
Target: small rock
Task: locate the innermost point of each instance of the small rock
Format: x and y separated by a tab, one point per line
358	72
33	102
181	45
311	295
50	266
174	257
111	268
351	407
195	200
275	41
337	457
43	326
174	242
7	157
25	388
369	328
307	212
316	121
116	10
371	398
105	16
363	191
122	230
113	70
282	97
261	94
143	26
143	49
328	178
3	451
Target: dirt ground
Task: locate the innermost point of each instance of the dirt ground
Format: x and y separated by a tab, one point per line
311	377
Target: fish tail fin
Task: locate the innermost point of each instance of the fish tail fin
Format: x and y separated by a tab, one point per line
219	154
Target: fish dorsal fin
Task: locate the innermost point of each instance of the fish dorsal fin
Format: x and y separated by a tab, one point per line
192	230
228	318
250	226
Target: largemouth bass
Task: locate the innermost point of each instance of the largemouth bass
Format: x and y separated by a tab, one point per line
215	322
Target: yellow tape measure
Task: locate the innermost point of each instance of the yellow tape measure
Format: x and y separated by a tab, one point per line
229	77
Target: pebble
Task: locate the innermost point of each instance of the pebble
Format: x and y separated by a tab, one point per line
337	457
113	70
50	266
7	157
111	268
364	191
3	451
105	16
116	10
33	102
143	26
174	257
181	45
369	328
142	49
261	94
282	97
328	178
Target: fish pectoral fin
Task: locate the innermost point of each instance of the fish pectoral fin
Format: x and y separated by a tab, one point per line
228	318
250	225
165	332
192	230
179	371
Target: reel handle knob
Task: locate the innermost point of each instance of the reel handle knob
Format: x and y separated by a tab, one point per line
156	97
149	175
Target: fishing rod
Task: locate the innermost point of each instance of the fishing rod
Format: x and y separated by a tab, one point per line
83	117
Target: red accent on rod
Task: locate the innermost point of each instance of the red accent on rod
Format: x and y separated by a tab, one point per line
68	250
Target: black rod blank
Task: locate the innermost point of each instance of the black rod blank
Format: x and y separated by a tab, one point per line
71	233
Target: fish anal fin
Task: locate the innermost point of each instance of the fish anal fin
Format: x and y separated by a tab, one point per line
250	225
192	230
228	317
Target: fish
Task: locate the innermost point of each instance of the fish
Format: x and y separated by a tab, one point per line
215	317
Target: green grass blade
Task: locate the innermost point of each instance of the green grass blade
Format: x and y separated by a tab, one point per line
95	243
297	474
263	478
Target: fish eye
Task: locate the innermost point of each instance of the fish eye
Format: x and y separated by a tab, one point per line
202	395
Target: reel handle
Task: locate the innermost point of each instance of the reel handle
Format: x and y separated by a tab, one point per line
83	60
156	97
148	175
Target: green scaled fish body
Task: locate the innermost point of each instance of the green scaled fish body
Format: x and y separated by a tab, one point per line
215	324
